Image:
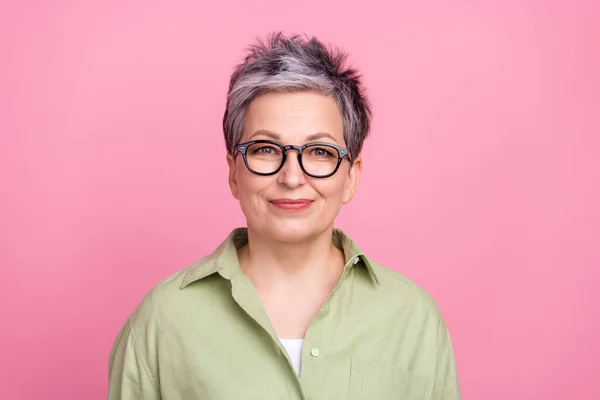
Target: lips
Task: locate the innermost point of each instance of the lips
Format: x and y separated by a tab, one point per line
292	204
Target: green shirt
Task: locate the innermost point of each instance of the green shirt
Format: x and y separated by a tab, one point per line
203	334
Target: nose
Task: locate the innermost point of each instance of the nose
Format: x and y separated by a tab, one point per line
291	174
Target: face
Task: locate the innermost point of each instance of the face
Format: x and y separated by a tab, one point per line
291	206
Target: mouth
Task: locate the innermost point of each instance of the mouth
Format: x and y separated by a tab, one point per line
292	204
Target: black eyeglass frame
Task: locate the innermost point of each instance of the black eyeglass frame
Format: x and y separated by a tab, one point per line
342	152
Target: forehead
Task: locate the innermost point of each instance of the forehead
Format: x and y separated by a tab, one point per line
294	116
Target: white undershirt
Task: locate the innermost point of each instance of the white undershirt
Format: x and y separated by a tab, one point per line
294	350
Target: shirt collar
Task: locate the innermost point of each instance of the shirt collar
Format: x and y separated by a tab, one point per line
224	260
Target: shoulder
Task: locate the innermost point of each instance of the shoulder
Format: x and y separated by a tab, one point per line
398	290
413	309
171	297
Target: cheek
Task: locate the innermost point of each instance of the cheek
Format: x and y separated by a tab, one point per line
251	187
331	189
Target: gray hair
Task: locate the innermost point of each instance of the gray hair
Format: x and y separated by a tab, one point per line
297	63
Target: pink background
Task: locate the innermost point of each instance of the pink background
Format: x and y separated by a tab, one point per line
481	180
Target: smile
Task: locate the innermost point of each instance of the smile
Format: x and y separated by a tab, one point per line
292	204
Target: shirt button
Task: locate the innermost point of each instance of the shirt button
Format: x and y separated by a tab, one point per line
356	260
315	352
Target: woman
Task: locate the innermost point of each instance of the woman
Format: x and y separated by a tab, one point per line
289	307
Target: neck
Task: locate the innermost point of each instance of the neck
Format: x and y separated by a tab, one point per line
270	262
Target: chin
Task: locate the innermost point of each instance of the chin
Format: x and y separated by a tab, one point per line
291	231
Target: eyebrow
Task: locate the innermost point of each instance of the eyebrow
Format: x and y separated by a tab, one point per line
264	132
309	138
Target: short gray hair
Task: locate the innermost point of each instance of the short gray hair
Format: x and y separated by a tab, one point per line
297	63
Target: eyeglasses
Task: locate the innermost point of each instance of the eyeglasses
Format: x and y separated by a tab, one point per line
317	160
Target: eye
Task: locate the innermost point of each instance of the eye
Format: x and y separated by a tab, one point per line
322	152
265	150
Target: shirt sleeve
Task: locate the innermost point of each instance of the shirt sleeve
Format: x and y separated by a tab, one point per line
129	376
446	380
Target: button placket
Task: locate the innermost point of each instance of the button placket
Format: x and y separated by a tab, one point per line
312	376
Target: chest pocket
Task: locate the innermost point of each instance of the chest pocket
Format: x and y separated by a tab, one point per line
372	379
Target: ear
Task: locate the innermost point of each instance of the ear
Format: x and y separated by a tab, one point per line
233	185
353	180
